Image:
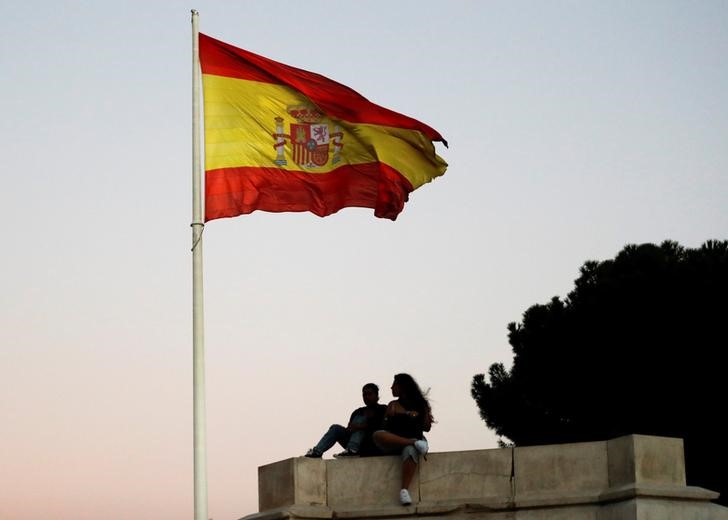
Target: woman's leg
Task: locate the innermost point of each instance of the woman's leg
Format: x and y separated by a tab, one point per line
387	439
408	471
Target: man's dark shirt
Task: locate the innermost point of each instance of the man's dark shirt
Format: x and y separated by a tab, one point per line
375	418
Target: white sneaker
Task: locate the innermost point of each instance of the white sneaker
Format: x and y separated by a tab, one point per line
404	497
422	446
346	454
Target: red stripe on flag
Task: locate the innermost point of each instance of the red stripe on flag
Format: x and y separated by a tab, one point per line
236	191
336	100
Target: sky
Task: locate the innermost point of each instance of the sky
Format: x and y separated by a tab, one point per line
575	128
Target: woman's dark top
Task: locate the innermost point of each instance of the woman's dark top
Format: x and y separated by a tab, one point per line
404	425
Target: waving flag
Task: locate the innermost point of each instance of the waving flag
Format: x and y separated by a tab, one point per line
278	138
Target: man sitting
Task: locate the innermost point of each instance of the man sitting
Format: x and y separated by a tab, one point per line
356	438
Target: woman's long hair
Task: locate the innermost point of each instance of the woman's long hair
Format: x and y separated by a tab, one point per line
411	395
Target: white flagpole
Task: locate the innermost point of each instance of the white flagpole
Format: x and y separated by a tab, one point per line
198	331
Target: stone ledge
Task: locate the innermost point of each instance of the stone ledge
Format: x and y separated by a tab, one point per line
674	492
628	478
271	514
389	512
555	499
466	505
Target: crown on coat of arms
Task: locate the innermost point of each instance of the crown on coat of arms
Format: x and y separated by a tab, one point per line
306	114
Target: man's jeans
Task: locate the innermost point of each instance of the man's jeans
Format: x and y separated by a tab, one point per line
337	433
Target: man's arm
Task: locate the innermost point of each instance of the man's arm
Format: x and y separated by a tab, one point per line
358	421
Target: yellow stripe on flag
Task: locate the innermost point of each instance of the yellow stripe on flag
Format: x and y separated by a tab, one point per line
240	128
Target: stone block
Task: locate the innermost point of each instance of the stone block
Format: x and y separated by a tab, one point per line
571	471
662	509
297	481
623	510
483	515
642	459
367	482
559	513
467	475
649	509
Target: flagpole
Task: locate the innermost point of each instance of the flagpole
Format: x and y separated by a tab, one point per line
198	332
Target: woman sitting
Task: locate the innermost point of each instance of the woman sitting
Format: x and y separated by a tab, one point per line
405	421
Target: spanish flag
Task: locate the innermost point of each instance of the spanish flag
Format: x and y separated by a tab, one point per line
278	138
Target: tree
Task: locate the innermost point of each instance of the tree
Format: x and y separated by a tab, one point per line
636	347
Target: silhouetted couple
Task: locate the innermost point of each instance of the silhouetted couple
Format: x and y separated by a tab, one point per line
375	429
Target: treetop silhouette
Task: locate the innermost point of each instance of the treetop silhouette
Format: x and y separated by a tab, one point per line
636	347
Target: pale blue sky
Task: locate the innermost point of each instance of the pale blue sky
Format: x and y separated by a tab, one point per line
574	128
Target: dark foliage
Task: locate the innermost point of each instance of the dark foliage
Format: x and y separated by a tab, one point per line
637	347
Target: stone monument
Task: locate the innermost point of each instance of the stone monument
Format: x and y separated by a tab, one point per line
635	477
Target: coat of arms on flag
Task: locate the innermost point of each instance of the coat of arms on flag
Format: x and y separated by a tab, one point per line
310	138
